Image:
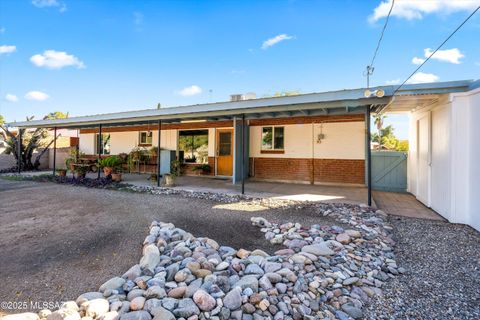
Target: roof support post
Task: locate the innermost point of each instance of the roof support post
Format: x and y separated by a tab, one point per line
54	150
369	156
100	148
19	151
243	153
159	153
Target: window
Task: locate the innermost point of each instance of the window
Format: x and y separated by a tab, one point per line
105	147
272	138
145	138
193	145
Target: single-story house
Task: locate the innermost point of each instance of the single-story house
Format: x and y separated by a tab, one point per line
317	138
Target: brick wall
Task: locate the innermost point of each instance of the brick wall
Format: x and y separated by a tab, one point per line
339	171
308	170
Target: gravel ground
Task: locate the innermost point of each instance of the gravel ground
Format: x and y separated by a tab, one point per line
57	241
443	273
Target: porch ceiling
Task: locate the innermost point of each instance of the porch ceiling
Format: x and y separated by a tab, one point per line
407	103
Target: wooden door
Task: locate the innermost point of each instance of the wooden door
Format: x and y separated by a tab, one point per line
225	152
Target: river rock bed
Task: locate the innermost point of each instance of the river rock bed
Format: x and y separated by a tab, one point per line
323	272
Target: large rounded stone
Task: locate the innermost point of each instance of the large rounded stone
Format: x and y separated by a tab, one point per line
160	313
150	259
136	315
137	303
233	299
204	301
343	238
97	308
112	284
318	249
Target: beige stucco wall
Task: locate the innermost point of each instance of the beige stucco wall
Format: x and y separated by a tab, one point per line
343	140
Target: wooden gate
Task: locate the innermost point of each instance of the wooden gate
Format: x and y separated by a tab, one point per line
389	171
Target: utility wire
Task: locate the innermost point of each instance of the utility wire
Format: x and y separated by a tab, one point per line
438	48
370	67
381	35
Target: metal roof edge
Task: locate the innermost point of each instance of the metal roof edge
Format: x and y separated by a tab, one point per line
326	98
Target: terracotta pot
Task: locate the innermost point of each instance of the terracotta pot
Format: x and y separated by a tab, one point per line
62	173
117	177
107	171
72	167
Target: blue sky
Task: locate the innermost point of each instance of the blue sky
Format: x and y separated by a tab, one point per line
89	57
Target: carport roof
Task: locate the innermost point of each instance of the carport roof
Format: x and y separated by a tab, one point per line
331	102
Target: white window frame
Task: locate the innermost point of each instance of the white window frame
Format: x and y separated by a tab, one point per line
146	136
273	139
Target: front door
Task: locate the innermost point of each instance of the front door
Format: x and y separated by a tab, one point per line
225	152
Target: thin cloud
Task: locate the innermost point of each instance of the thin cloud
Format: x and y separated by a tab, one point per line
273	41
421	77
11	97
7	49
190	91
62	7
449	55
417	9
417	60
36	96
52	59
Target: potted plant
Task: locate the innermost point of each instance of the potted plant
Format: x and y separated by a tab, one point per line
73	159
117	171
80	171
109	164
62	172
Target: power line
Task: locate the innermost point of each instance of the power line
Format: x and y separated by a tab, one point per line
370	67
381	35
438	48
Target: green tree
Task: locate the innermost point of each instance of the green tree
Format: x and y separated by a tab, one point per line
2	119
31	141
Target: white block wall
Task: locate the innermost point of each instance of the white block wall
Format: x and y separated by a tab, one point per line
343	140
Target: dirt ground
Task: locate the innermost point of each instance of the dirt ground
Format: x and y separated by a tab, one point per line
57	242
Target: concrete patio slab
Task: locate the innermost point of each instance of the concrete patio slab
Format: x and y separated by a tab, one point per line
405	205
